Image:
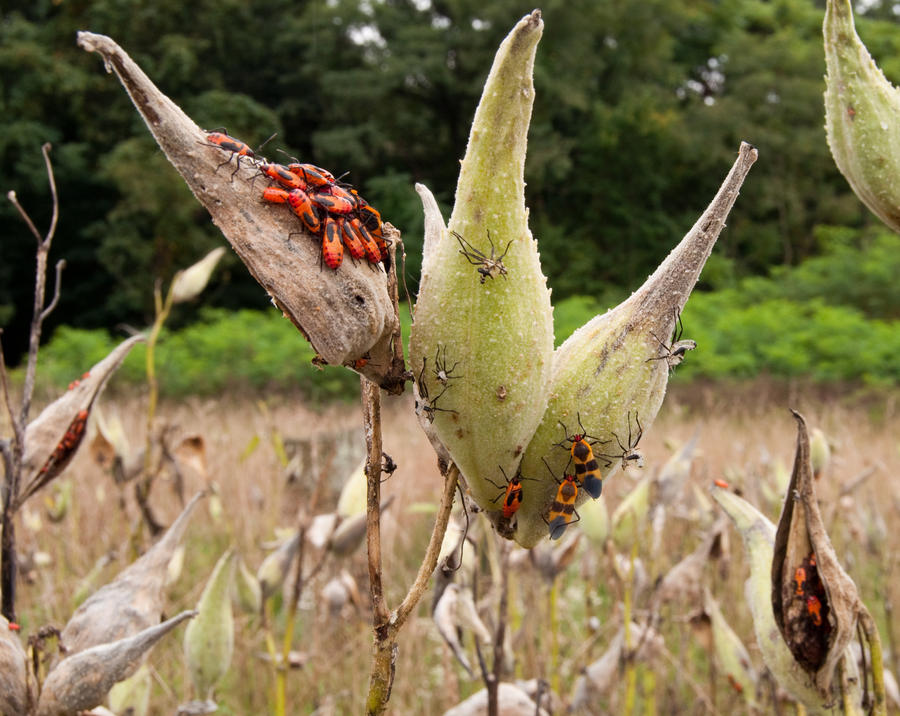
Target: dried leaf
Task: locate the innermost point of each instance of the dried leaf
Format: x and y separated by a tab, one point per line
191	451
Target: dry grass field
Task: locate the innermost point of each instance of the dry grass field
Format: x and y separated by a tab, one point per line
745	435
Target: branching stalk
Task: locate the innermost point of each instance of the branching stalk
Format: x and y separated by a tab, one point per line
13	457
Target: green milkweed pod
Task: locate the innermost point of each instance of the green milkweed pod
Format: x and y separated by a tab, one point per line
862	116
209	639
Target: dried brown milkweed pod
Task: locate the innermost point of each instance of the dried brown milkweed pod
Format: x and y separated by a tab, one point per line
815	602
52	438
133	601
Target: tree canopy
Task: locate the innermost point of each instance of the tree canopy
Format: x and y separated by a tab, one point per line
639	112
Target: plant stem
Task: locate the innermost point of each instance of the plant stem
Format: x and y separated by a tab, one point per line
879	707
13	457
145	483
387	627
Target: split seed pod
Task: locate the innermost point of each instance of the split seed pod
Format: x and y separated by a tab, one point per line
815	602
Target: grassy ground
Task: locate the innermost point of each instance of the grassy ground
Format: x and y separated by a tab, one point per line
745	434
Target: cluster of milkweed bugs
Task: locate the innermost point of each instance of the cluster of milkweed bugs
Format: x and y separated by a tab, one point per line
66	447
811	591
327	208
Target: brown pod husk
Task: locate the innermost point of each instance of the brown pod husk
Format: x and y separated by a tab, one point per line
13	674
53	438
133	601
815	602
346	314
83	680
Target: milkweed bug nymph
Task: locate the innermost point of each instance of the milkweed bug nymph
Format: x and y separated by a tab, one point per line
426	405
587	470
488	266
441	371
235	146
511	492
675	350
630	454
562	510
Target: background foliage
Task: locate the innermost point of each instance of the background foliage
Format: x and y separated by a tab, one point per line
640	109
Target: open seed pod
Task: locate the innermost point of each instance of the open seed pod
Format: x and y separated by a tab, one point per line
347	315
815	602
758	535
53	438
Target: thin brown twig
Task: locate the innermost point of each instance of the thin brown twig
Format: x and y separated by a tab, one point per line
371	399
60	265
401	614
7	398
51	232
11	195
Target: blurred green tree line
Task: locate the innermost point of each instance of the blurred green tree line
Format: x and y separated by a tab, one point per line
640	109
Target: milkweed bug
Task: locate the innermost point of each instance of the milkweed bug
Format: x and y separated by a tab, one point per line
330	202
440	370
369	215
302	206
587	470
562	510
424	404
511	493
274	195
675	350
352	240
487	266
235	146
814	609
311	174
800	579
332	250
282	175
373	254
630	453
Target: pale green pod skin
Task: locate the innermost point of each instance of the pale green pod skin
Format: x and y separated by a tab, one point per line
498	334
132	695
731	654
610	374
758	534
209	638
862	116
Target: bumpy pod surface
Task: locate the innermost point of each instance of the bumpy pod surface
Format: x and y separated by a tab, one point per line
492	335
862	116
